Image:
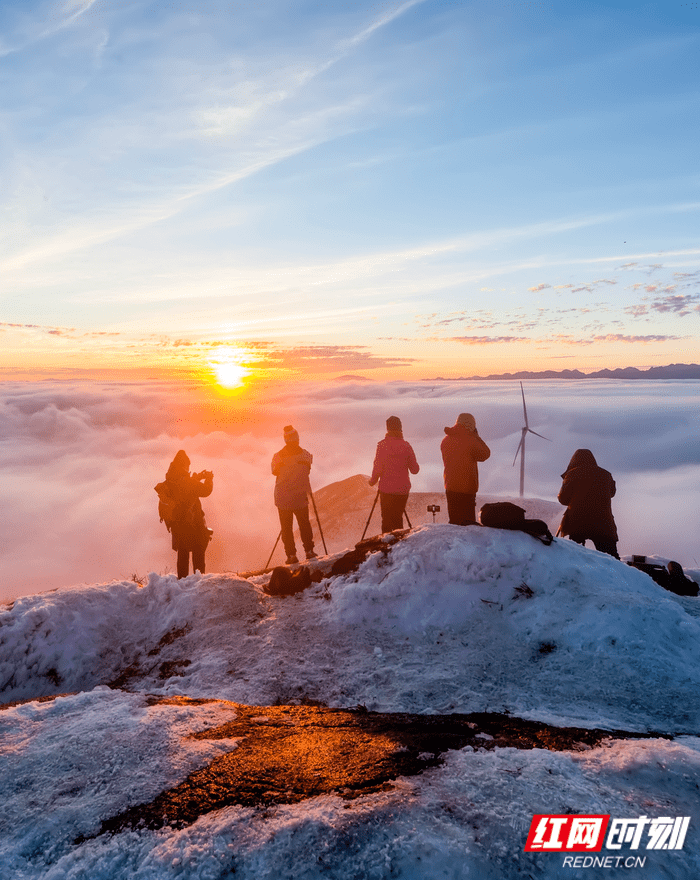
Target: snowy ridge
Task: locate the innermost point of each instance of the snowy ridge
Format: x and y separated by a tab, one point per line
450	620
440	624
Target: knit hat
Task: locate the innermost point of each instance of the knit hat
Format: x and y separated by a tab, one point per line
466	420
393	423
290	435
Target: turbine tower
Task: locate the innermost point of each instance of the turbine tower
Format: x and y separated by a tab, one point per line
521	445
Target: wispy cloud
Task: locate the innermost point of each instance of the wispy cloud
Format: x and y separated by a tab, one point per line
316	359
488	340
678	304
349	44
265	357
67	332
567	339
72	10
276	137
614	337
682	304
44	23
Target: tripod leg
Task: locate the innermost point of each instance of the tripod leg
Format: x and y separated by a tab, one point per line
323	540
376	498
273	550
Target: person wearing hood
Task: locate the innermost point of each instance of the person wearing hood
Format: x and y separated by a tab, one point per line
461	449
188	526
393	460
291	465
587	491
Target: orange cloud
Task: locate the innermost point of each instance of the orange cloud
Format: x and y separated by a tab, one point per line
487	340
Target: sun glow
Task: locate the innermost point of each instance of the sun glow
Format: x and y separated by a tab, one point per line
227	368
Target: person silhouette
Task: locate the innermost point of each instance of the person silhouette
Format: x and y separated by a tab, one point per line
461	449
291	466
587	491
392	462
188	527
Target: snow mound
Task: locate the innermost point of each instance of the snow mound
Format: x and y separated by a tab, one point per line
451	619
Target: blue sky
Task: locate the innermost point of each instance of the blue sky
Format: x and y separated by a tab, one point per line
395	189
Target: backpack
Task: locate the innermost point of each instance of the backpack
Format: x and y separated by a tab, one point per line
166	503
671	578
284	582
504	515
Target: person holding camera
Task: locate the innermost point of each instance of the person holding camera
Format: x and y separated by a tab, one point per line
392	462
187	524
461	449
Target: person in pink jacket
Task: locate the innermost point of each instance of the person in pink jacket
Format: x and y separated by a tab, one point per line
394	459
461	449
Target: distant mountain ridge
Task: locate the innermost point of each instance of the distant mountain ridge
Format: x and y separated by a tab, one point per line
672	371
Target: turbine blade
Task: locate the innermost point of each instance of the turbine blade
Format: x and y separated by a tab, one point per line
539	435
524	407
517	450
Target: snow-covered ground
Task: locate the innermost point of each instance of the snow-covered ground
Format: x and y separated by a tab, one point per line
441	624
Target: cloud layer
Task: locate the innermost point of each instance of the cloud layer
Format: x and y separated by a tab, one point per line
79	463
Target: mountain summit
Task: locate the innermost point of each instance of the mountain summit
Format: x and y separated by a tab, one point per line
134	702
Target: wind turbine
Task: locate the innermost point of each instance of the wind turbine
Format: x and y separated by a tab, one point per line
521	445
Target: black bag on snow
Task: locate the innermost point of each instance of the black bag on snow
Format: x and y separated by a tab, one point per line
678	583
504	515
284	582
671	578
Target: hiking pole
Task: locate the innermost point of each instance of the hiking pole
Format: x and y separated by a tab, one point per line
313	501
273	550
405	513
376	497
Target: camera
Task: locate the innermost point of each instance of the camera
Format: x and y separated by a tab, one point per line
433	508
203	474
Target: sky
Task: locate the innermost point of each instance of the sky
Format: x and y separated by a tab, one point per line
296	190
78	462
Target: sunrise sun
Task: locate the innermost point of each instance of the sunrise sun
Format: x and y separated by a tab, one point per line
227	368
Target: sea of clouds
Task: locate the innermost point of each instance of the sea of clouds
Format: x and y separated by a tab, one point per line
78	461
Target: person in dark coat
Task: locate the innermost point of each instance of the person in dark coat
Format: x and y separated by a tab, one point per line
393	460
587	491
461	449
188	526
291	465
